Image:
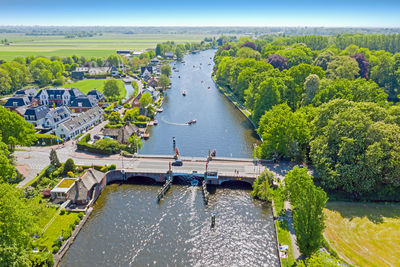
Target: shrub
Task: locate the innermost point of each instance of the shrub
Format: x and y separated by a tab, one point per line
70	174
62	212
127	105
48	139
55	249
112	167
80	215
104	169
66	233
69	166
45	181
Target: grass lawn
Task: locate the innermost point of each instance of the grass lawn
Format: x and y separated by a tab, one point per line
86	85
364	234
56	228
43	213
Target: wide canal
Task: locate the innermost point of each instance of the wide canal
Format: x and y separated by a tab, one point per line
128	227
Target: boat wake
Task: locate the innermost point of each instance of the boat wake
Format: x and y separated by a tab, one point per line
173	123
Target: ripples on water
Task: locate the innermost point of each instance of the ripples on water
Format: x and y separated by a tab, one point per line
128	228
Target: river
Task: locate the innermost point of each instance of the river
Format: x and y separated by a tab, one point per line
127	226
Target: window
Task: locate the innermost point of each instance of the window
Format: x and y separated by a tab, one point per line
32	117
15	104
80	104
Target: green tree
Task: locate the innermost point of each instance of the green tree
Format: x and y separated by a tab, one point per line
18	74
45	77
311	86
115	118
114	59
179	54
16	225
136	143
164	81
54	159
166	70
111	88
5	82
247	52
131	114
285	133
308	202
342	67
159	50
268	95
69	166
262	186
146	100
22	131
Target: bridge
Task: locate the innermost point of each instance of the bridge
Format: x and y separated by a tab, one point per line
214	172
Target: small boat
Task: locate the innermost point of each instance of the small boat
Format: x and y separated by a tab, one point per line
202	81
184	92
146	135
209	87
160	110
155	122
194	182
191	122
179	76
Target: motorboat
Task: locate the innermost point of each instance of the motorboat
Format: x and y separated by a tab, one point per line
191	122
155	122
184	92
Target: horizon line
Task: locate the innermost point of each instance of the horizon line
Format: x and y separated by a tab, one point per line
202	26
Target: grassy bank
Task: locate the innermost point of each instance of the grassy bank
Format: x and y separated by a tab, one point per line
61	226
282	227
364	234
86	85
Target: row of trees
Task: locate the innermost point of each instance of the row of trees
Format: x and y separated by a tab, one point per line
333	108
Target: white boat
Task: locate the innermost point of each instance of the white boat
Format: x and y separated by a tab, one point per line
184	92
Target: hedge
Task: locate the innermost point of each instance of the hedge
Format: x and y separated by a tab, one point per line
48	139
84	146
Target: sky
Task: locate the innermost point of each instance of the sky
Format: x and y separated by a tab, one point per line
331	13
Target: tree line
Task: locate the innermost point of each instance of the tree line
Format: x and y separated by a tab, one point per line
333	108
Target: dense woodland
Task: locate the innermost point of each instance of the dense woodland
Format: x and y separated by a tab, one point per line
328	101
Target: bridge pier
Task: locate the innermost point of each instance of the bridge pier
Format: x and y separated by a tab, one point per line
164	189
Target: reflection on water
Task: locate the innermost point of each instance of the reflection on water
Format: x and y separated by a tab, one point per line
219	124
128	228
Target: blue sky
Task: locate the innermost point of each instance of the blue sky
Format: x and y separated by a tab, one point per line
365	13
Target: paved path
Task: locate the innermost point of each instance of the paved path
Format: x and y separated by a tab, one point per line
289	217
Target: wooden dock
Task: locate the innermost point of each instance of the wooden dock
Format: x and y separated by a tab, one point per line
164	189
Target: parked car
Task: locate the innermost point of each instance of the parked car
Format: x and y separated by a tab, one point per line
96	137
177	163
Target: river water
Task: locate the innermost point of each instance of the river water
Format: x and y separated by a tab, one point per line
219	125
127	226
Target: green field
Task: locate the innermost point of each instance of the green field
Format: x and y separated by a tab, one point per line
364	234
86	85
98	46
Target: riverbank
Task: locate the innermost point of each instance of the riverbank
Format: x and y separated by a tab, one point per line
243	110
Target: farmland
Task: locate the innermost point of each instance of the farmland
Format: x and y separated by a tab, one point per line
97	46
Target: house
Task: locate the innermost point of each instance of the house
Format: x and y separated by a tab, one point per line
122	134
87	188
55	117
30	93
77	125
137	53
169	55
154	61
17	101
77	75
57	96
153	92
83	103
36	115
97	94
61	190
136	102
153	82
99	71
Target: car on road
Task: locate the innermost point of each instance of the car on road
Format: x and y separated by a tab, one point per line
177	163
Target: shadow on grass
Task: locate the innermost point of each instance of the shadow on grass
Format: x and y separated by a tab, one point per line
375	212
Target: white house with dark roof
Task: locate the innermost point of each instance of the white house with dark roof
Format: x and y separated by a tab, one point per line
80	123
83	103
55	117
36	115
17	101
57	96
